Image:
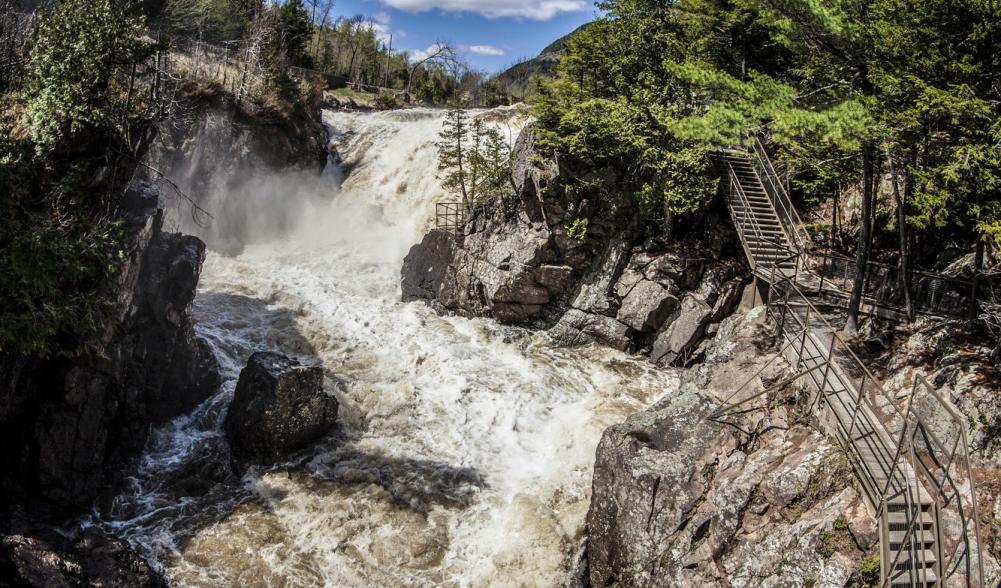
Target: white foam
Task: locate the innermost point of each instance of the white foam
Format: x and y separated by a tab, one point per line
467	447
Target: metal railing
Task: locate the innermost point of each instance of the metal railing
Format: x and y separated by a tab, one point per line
780	199
897	454
930	294
936	442
450	216
747	223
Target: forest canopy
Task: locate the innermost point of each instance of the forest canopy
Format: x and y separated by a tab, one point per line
908	88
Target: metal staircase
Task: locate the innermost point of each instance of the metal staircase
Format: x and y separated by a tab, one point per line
907	474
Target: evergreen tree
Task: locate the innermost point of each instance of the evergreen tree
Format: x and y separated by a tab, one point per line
77	89
452	156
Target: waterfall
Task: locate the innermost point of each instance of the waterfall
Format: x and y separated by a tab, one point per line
465	448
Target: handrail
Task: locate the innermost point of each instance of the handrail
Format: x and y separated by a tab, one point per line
742	223
778	195
450	216
903	465
938	287
909	460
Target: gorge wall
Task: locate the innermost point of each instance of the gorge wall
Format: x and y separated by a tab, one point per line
231	158
70	423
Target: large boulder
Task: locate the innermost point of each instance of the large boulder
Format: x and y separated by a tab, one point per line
279	407
425	267
682	333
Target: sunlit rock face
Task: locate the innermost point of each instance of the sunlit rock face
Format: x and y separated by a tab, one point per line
681	498
464	448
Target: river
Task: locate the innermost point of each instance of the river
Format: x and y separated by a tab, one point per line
465	448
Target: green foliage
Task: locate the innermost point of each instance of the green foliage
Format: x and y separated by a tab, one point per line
653	86
386	101
577	228
475	159
214	21
75	82
58	242
452	154
288	31
53	252
868	574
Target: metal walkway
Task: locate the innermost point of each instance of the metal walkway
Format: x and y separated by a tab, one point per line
908	474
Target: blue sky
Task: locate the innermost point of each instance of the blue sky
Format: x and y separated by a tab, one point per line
491	34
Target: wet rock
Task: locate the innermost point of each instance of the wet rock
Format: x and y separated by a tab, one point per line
207	464
577	327
425	266
279	406
95	559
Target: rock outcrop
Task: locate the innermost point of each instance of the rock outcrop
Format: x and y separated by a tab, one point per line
516	261
66	422
682	499
279	406
95	559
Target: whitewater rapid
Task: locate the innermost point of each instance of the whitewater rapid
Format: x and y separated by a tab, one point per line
465	448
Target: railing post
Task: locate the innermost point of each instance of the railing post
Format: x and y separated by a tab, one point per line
806	334
855	410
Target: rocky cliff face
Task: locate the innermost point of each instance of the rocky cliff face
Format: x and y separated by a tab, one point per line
516	262
224	155
681	499
66	422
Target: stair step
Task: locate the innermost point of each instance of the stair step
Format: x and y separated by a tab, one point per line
925	559
900	540
898	521
918	578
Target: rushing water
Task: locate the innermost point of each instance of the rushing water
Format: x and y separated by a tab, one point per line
465	449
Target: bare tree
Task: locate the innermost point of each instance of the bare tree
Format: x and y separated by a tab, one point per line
440	53
324	6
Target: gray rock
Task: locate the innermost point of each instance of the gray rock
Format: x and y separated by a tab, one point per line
646	306
681	499
577	327
682	333
425	266
650	474
143	365
279	407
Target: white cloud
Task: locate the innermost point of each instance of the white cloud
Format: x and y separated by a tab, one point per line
533	9
489	50
382	17
382	31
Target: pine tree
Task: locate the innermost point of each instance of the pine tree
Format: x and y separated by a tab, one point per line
452	146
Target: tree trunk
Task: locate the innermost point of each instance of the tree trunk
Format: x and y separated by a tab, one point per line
834	217
865	226
902	282
978	267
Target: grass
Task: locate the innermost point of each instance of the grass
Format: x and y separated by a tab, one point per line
354	95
